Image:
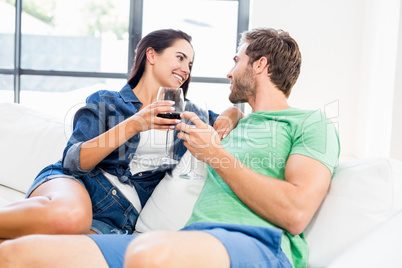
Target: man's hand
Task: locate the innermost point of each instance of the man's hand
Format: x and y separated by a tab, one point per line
201	140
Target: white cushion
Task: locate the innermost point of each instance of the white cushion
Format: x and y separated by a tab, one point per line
384	242
363	194
173	199
30	140
9	195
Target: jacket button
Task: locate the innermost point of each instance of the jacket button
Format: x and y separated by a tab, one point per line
140	174
114	192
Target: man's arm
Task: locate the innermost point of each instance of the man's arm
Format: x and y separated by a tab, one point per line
289	204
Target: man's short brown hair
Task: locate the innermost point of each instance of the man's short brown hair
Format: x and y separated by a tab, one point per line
282	53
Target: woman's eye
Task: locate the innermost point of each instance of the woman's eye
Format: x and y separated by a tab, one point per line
180	57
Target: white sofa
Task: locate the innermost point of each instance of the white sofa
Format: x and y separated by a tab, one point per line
359	224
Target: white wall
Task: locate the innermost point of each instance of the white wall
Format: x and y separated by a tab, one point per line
396	138
349	50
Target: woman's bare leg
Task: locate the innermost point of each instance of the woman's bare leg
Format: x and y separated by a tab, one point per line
51	251
59	206
181	249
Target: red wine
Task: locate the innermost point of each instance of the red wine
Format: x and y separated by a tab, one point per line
172	115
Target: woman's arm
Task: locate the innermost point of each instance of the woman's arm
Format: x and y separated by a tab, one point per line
91	141
95	150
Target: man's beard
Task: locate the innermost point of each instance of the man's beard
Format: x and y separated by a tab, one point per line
243	87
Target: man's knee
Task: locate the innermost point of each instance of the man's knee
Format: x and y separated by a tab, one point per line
148	250
10	254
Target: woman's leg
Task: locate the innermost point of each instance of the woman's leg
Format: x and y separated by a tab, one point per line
51	251
58	206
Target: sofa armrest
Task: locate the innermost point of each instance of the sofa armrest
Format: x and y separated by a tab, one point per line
381	248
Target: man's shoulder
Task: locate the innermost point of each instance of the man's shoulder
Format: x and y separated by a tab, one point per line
293	116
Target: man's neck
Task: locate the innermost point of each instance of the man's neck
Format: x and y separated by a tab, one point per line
268	99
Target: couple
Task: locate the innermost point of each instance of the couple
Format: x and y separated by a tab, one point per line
265	180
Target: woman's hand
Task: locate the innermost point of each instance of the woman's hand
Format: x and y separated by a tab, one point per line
148	119
227	121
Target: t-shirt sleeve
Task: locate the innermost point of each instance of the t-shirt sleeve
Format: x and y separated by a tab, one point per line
318	138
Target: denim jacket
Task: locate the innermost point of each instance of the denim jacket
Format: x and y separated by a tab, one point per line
104	110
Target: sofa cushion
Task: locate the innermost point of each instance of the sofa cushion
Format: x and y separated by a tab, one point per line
9	195
173	199
30	140
363	194
384	242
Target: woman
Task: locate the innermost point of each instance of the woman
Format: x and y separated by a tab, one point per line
99	186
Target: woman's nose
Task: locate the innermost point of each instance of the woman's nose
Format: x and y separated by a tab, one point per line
186	69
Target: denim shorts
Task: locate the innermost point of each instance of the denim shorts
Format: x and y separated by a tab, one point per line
112	212
247	246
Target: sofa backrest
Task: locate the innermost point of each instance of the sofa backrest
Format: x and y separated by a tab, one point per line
29	141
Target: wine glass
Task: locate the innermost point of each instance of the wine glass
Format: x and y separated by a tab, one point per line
202	113
176	95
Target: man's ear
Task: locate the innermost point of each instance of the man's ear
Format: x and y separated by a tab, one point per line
260	65
151	55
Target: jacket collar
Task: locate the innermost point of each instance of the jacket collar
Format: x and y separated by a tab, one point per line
127	94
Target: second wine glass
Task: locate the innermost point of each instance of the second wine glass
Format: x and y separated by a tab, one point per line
202	113
176	95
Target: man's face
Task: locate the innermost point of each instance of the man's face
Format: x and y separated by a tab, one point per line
242	83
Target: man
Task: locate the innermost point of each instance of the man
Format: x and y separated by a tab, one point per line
265	181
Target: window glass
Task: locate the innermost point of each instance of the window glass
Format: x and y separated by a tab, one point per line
6	88
75	35
202	92
211	24
7	27
56	98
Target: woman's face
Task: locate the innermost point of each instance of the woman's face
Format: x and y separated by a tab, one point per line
172	66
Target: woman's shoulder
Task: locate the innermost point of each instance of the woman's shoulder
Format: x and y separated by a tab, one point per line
103	95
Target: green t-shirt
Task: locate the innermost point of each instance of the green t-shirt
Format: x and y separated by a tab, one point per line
263	141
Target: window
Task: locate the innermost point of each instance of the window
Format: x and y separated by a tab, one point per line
214	36
75	35
7	18
66	49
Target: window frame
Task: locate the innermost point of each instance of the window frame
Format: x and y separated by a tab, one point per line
135	35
